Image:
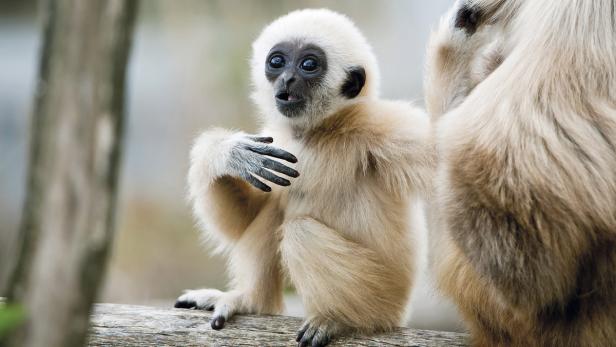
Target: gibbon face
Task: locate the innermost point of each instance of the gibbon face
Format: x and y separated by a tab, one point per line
297	70
308	64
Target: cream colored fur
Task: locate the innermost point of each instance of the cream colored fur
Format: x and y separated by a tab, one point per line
343	230
524	217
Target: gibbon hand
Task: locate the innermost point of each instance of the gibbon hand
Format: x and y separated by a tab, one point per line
249	157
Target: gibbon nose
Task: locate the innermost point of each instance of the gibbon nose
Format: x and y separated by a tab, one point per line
288	79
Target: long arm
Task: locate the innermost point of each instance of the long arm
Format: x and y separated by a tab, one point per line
233	205
223	185
402	153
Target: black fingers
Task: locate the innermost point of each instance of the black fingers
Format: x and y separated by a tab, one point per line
255	182
271	177
273	152
276	166
185	304
260	165
218	322
262	139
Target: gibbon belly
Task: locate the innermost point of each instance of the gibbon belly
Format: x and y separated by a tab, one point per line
338	195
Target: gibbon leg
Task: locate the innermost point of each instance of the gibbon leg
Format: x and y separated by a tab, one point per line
255	271
343	285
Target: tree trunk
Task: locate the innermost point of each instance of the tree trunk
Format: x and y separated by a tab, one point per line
75	149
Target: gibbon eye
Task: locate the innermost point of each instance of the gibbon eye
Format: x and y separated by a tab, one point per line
276	62
309	64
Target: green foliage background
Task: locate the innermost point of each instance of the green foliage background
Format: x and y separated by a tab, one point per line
10	317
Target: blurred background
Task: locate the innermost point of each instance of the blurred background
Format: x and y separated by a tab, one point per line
188	71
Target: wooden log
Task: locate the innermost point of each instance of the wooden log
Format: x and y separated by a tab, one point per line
127	325
75	148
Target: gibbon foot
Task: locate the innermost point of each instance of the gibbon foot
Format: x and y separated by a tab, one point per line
224	305
202	299
317	332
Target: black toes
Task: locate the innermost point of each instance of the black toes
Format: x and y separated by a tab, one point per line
218	322
185	304
320	342
313	336
468	18
306	340
192	304
300	333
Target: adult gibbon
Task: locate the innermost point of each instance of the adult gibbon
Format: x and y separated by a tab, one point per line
344	228
523	96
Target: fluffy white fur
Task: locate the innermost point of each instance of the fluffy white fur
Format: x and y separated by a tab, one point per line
526	185
337	35
343	230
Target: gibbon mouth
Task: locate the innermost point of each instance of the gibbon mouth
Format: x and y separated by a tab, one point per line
287	98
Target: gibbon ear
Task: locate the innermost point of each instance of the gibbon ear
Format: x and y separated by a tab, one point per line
356	78
468	18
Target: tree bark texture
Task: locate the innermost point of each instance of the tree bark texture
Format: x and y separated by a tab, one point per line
125	325
75	150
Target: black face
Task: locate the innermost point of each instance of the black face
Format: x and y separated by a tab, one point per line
295	70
